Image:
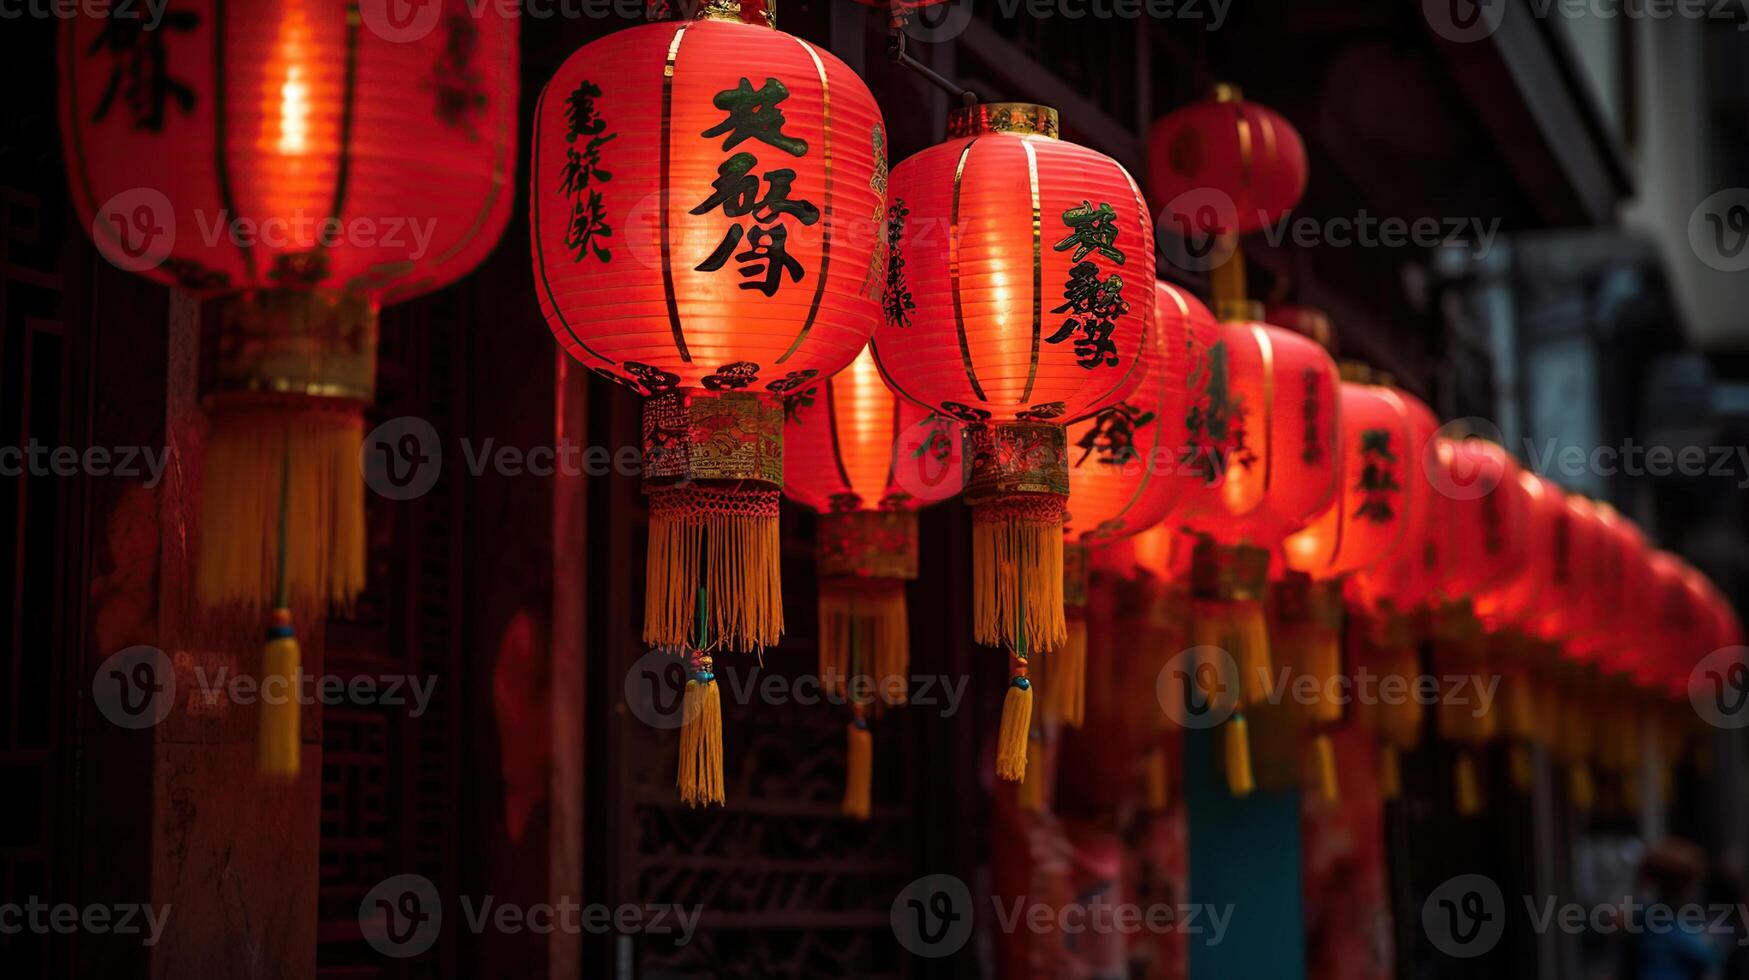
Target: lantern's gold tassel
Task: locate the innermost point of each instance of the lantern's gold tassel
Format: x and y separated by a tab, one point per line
1016	723
701	730
1324	763
1065	698
1390	772
252	450
1469	785
836	622
1240	781
280	739
858	768
1159	781
1237	626
1017	571
875	608
735	531
1523	769
1032	785
1321	658
1581	789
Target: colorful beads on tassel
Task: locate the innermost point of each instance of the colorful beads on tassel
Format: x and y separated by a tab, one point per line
280	740
701	738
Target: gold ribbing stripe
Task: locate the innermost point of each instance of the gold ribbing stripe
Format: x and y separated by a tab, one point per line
1037	270
667	135
953	270
826	235
1267	352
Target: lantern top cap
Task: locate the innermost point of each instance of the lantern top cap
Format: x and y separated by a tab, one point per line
1020	118
1224	92
739	11
1236	310
1358	372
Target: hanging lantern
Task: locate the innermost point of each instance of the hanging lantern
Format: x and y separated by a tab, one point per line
1260	443
865	461
1364	525
1218	169
305	171
1123	479
706	233
1019	292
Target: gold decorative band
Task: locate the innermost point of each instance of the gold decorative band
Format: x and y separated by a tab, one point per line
295	342
867	544
739	11
1076	561
1023	118
695	434
1228	572
1009	458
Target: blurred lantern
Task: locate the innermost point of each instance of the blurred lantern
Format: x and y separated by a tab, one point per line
865	461
1122	479
1032	315
1220	168
1364	525
306	171
1259	441
708	236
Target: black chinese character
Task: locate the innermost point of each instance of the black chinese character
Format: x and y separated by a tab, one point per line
753	114
1091	229
140	74
587	225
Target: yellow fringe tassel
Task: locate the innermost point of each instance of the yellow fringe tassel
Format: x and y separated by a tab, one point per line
1322	658
1065	697
874	610
1016	727
1390	772
1469	786
1523	767
1240	780
1324	763
858	770
280	738
248	448
1032	786
701	745
736	534
1580	788
1159	781
1017	566
1238	627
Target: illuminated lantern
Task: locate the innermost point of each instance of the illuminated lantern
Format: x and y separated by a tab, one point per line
1364	524
708	199
1123	478
865	461
1019	293
1259	443
306	170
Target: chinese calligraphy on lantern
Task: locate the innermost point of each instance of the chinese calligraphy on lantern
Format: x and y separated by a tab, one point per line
896	300
140	73
1215	422
585	134
1113	435
461	90
754	114
1093	302
1378	485
1313	453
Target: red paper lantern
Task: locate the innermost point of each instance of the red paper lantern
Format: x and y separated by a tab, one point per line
708	203
1409	577
865	461
1224	165
1019	294
308	170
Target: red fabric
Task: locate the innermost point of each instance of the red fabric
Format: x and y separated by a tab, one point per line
1520	573
1224	167
1368	520
677	298
1123	463
989	293
229	173
1263	433
850	444
1347	884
